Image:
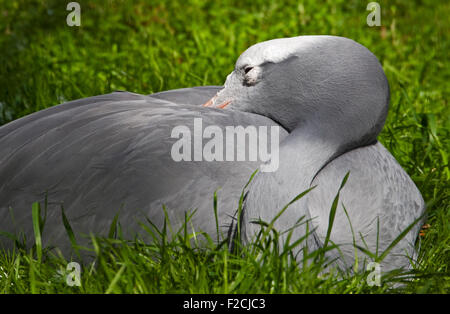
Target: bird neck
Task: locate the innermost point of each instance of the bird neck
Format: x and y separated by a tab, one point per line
301	156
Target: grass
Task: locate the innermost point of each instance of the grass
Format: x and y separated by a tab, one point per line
181	265
149	46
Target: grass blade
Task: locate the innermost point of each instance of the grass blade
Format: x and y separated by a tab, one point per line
36	215
69	231
116	278
333	210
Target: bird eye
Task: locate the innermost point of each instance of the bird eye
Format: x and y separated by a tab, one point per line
247	69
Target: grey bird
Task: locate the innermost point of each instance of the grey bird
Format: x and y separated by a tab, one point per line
104	154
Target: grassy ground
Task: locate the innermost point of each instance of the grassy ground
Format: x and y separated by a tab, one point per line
149	46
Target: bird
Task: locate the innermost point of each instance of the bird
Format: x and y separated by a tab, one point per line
112	154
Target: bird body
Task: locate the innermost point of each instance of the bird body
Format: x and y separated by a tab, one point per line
111	154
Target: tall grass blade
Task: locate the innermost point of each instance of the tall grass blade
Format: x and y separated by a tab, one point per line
399	238
333	210
113	227
116	278
36	216
216	217
69	231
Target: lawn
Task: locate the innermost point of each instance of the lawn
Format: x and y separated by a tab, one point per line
151	46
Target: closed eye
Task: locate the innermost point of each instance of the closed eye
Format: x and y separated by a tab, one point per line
247	69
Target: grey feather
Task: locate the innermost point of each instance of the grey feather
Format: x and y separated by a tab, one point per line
109	153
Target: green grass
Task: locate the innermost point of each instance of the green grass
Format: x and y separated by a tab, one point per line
149	46
176	262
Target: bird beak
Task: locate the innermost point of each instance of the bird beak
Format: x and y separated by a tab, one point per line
210	103
224	104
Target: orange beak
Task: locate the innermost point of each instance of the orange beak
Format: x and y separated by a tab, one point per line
210	102
224	104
